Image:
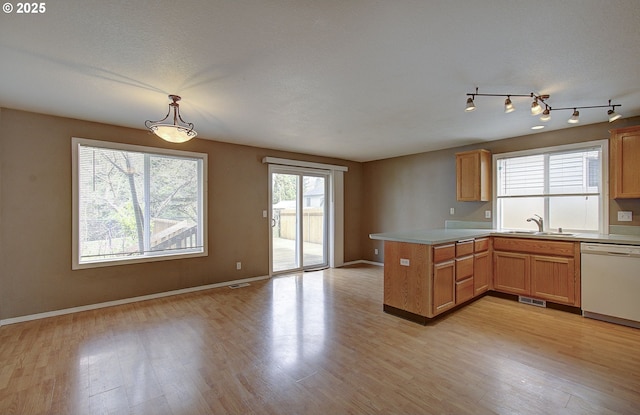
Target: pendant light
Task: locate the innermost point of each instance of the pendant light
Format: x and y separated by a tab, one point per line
174	130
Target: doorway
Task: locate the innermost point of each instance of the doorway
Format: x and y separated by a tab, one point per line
299	219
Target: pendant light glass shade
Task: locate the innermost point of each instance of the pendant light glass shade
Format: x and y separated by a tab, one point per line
177	132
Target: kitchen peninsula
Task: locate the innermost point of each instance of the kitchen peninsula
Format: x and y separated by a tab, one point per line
429	272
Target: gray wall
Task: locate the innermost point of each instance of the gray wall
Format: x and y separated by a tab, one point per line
417	191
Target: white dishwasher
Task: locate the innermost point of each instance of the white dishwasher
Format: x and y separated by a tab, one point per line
611	282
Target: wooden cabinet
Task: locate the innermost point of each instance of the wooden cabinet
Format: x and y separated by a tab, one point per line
464	271
624	149
406	276
422	281
544	269
552	278
444	277
473	176
481	266
512	272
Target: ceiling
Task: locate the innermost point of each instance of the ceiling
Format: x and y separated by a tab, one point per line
354	79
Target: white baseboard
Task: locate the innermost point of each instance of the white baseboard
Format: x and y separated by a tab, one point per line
125	301
363	261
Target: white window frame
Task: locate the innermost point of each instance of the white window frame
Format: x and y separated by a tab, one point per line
603	220
76	143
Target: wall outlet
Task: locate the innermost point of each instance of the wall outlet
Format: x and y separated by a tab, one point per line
487	214
404	262
625	216
375	251
452	211
238	265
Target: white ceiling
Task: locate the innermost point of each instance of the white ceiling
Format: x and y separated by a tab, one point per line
354	79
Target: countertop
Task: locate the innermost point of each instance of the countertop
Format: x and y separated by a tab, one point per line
440	236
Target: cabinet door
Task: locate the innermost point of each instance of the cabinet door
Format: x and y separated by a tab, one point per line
553	279
481	272
511	272
625	171
406	276
444	286
473	178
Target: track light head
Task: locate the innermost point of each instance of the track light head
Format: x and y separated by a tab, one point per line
613	115
546	114
470	105
535	107
508	105
575	118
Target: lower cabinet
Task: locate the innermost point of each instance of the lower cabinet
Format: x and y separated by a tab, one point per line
552	278
542	269
444	282
482	265
422	281
512	272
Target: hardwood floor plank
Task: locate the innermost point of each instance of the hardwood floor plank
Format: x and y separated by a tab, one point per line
316	343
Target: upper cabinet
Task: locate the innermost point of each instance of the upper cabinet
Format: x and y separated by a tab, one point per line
624	154
473	176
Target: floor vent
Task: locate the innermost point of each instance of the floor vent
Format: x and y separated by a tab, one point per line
532	301
234	286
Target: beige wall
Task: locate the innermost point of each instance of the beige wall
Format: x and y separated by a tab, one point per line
35	217
416	191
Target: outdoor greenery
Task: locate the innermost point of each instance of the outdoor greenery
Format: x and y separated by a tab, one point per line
117	188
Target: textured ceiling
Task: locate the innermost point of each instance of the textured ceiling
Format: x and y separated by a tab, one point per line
354	79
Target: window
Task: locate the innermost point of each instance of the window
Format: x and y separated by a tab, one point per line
565	185
136	204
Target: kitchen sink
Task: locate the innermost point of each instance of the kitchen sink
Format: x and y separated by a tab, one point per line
554	233
539	233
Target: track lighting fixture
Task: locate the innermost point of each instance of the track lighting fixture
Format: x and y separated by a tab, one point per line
536	106
176	130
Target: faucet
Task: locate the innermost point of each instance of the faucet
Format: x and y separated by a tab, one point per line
538	222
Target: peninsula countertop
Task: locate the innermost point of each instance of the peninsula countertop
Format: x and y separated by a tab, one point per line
440	236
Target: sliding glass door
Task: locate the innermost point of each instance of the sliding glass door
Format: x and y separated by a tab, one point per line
298	219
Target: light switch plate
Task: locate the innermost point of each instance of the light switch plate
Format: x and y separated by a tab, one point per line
404	262
625	216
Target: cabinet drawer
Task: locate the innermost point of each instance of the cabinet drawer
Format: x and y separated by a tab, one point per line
443	253
464	248
534	246
464	268
481	245
464	290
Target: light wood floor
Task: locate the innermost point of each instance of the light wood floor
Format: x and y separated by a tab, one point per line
316	343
